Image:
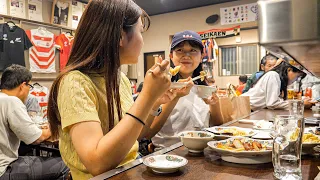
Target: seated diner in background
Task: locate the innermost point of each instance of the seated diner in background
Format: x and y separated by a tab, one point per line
270	91
266	64
17	126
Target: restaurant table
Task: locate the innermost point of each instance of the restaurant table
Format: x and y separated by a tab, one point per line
208	165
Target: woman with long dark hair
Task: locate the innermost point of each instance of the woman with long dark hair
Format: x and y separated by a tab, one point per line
91	108
270	91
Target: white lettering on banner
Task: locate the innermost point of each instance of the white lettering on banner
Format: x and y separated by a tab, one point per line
220	33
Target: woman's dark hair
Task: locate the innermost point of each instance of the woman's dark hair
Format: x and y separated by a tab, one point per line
265	58
96	48
196	72
282	70
13	76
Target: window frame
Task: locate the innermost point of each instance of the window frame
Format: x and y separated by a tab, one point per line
238	53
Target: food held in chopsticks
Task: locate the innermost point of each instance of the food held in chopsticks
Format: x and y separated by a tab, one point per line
202	76
174	71
242	145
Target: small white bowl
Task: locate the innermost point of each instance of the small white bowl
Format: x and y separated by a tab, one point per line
196	141
165	163
205	91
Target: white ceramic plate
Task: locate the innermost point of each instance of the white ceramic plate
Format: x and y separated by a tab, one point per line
244	153
217	130
178	85
165	163
250	160
263	125
262	135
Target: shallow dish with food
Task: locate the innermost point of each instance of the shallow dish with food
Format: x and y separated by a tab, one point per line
232	131
196	141
165	163
242	147
309	139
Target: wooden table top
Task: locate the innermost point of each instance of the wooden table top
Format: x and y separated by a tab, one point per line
209	166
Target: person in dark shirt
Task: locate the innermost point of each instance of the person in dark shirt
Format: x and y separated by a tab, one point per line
266	63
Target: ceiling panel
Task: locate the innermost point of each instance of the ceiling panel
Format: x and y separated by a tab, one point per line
155	7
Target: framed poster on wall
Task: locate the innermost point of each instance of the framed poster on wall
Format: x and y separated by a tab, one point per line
60	12
17	8
3	7
76	11
35	10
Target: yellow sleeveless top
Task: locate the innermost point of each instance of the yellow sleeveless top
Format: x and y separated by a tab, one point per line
82	98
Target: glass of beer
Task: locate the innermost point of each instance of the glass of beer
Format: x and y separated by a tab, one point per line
291	94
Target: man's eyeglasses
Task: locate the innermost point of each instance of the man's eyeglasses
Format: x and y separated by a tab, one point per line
31	87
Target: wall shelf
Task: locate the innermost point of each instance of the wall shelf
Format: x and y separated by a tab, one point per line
36	22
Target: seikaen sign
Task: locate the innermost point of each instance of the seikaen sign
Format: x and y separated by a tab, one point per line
220	33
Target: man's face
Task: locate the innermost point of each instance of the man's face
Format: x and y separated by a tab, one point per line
24	88
269	65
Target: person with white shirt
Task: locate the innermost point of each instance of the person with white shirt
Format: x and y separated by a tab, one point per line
270	91
187	111
16	126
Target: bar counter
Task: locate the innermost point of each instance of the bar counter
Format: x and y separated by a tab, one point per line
208	165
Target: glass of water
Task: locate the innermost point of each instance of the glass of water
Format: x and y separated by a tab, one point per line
287	146
296	107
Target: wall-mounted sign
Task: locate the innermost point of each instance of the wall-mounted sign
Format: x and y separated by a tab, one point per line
220	33
239	14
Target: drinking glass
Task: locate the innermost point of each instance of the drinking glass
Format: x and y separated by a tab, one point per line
287	146
296	107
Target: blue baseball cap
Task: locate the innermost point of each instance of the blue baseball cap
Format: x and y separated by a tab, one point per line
186	36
